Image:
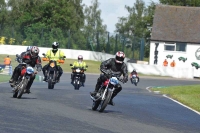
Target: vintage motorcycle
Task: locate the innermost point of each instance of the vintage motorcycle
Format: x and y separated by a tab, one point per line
20	87
104	94
52	72
77	71
134	79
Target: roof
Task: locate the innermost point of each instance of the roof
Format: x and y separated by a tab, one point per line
176	24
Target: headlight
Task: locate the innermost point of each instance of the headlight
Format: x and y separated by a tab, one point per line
78	70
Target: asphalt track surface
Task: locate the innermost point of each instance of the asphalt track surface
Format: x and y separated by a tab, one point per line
65	110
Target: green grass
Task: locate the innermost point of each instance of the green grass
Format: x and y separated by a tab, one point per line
4	78
188	95
93	66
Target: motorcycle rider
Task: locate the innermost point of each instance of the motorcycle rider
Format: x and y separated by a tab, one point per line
31	58
54	54
79	63
116	65
134	72
19	58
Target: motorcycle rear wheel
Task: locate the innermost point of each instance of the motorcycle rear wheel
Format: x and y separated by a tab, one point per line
95	105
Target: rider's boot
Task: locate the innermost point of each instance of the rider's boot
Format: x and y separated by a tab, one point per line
45	78
111	100
96	90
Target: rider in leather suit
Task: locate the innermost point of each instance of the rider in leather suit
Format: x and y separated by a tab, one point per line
31	58
115	65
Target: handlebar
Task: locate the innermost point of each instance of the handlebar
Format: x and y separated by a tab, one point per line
111	74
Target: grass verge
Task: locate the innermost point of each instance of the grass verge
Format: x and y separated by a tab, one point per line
4	78
188	95
93	66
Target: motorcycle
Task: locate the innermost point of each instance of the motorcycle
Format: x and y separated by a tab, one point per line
77	71
52	72
20	87
104	94
134	79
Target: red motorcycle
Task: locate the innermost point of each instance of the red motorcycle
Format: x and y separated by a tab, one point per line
20	87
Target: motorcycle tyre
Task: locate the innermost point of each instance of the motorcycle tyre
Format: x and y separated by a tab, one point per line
50	83
106	101
76	85
95	105
15	94
21	90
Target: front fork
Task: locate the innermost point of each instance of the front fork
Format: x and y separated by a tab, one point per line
106	90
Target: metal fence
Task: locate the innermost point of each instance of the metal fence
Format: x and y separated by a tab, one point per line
133	46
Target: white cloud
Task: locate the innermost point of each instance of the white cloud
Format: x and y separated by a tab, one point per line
112	9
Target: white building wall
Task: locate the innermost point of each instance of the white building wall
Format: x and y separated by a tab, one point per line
189	54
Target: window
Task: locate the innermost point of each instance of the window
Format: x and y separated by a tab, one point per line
169	46
175	47
181	47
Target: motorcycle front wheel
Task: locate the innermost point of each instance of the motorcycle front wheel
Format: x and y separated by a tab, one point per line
76	84
22	87
50	82
106	101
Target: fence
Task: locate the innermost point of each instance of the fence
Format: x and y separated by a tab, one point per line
106	42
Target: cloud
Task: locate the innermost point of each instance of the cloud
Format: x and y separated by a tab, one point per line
112	9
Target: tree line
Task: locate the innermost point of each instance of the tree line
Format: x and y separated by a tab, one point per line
78	26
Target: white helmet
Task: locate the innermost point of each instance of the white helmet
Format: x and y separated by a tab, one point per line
80	58
119	57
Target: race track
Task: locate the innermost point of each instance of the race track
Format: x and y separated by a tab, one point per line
65	110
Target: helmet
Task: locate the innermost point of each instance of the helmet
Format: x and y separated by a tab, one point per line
134	70
80	58
119	57
29	48
34	51
55	45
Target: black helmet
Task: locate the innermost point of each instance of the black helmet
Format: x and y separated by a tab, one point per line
55	46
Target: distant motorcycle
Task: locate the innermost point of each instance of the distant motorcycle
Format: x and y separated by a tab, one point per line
52	72
104	94
77	71
20	87
134	79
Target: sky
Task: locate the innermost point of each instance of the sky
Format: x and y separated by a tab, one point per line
112	9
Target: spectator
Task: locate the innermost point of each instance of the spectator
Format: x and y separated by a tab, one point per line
165	63
173	64
7	61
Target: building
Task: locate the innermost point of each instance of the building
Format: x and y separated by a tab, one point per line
176	36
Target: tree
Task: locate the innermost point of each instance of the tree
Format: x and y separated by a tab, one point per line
51	19
94	29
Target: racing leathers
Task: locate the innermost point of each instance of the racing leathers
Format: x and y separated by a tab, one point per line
54	55
117	68
29	60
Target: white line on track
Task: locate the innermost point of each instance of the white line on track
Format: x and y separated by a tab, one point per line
148	88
